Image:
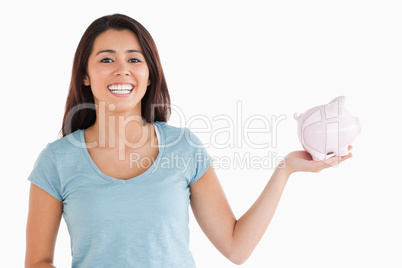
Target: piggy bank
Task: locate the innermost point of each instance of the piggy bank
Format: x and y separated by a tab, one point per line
327	129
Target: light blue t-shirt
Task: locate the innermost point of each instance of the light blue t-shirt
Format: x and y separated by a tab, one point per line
140	222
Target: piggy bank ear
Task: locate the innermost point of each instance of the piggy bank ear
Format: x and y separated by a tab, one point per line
335	107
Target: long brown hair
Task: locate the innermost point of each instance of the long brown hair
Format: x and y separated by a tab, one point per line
80	106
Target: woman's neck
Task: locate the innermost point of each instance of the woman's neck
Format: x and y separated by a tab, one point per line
114	130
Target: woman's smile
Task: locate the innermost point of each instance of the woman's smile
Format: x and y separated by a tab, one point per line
121	89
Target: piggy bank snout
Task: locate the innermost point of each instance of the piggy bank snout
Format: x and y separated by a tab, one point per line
358	126
351	123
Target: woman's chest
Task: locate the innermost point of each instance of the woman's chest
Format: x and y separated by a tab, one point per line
156	199
124	164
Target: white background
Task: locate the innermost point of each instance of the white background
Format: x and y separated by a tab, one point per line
277	58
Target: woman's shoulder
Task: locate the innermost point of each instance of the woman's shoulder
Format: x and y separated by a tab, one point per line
170	130
171	135
179	136
67	144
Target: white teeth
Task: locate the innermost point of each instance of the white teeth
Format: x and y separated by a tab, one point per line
120	87
121	91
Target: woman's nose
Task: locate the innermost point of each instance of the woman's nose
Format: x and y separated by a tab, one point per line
122	70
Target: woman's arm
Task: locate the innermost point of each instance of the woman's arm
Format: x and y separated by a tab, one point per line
236	239
42	227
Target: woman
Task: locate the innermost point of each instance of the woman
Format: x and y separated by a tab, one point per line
122	177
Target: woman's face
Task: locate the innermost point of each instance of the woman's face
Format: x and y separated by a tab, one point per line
117	71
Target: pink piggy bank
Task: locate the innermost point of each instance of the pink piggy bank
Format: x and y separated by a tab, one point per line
327	129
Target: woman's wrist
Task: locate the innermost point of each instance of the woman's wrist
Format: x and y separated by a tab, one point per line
283	169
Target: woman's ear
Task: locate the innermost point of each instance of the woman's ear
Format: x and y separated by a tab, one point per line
149	82
87	82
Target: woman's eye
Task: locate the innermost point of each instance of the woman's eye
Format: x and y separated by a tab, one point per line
106	60
134	60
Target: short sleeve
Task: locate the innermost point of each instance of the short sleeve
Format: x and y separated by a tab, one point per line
200	158
45	174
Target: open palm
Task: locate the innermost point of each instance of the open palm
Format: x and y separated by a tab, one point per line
302	161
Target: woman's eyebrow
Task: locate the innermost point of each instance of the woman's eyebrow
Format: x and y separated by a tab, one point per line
114	51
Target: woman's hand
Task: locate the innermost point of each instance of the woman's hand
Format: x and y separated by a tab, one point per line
302	161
